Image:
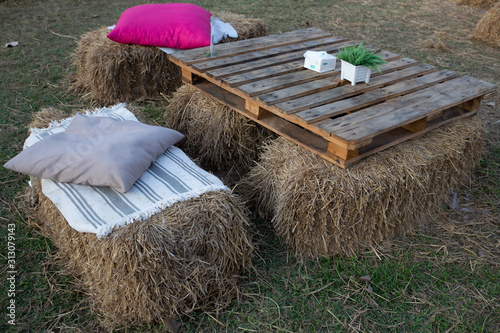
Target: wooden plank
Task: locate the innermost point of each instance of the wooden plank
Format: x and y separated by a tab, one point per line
279	68
265	68
367	114
273	83
303	89
399	135
248	66
373	97
223	96
446	95
287	80
290	131
264	73
350	120
346	90
219	68
315	143
242	46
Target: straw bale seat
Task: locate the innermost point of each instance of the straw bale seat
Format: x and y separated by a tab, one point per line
184	258
218	137
319	209
484	4
108	72
488	28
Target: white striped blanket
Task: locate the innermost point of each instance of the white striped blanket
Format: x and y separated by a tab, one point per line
172	178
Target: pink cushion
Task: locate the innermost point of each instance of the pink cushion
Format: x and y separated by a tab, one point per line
175	25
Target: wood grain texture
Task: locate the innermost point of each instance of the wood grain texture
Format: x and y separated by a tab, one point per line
264	80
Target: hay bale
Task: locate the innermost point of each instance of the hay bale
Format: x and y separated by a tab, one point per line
488	28
219	137
484	4
246	27
108	72
319	209
45	116
187	257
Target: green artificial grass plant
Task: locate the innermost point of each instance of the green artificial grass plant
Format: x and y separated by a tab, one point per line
359	55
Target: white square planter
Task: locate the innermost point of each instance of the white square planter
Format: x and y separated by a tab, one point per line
354	73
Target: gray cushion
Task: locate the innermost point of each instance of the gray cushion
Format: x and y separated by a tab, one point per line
98	151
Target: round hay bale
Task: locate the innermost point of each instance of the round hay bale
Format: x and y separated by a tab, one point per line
319	209
187	257
108	72
488	28
217	136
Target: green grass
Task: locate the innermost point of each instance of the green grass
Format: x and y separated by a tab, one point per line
438	279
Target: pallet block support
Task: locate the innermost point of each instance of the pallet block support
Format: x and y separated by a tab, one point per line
255	109
416	126
335	150
188	76
471	105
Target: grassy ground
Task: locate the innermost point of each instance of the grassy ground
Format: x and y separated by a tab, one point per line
439	279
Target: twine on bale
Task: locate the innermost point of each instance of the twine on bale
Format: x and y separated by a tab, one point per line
217	136
108	72
488	28
187	257
319	209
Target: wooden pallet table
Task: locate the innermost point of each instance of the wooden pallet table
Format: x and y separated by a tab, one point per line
264	79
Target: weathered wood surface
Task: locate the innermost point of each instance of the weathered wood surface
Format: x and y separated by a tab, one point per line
264	79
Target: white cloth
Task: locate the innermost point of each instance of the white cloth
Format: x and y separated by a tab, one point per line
221	30
172	178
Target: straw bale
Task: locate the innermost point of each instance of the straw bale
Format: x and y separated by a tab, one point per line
319	209
108	72
187	257
183	259
45	116
219	137
246	27
488	28
484	4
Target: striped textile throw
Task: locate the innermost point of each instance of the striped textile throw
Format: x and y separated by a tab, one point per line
172	178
